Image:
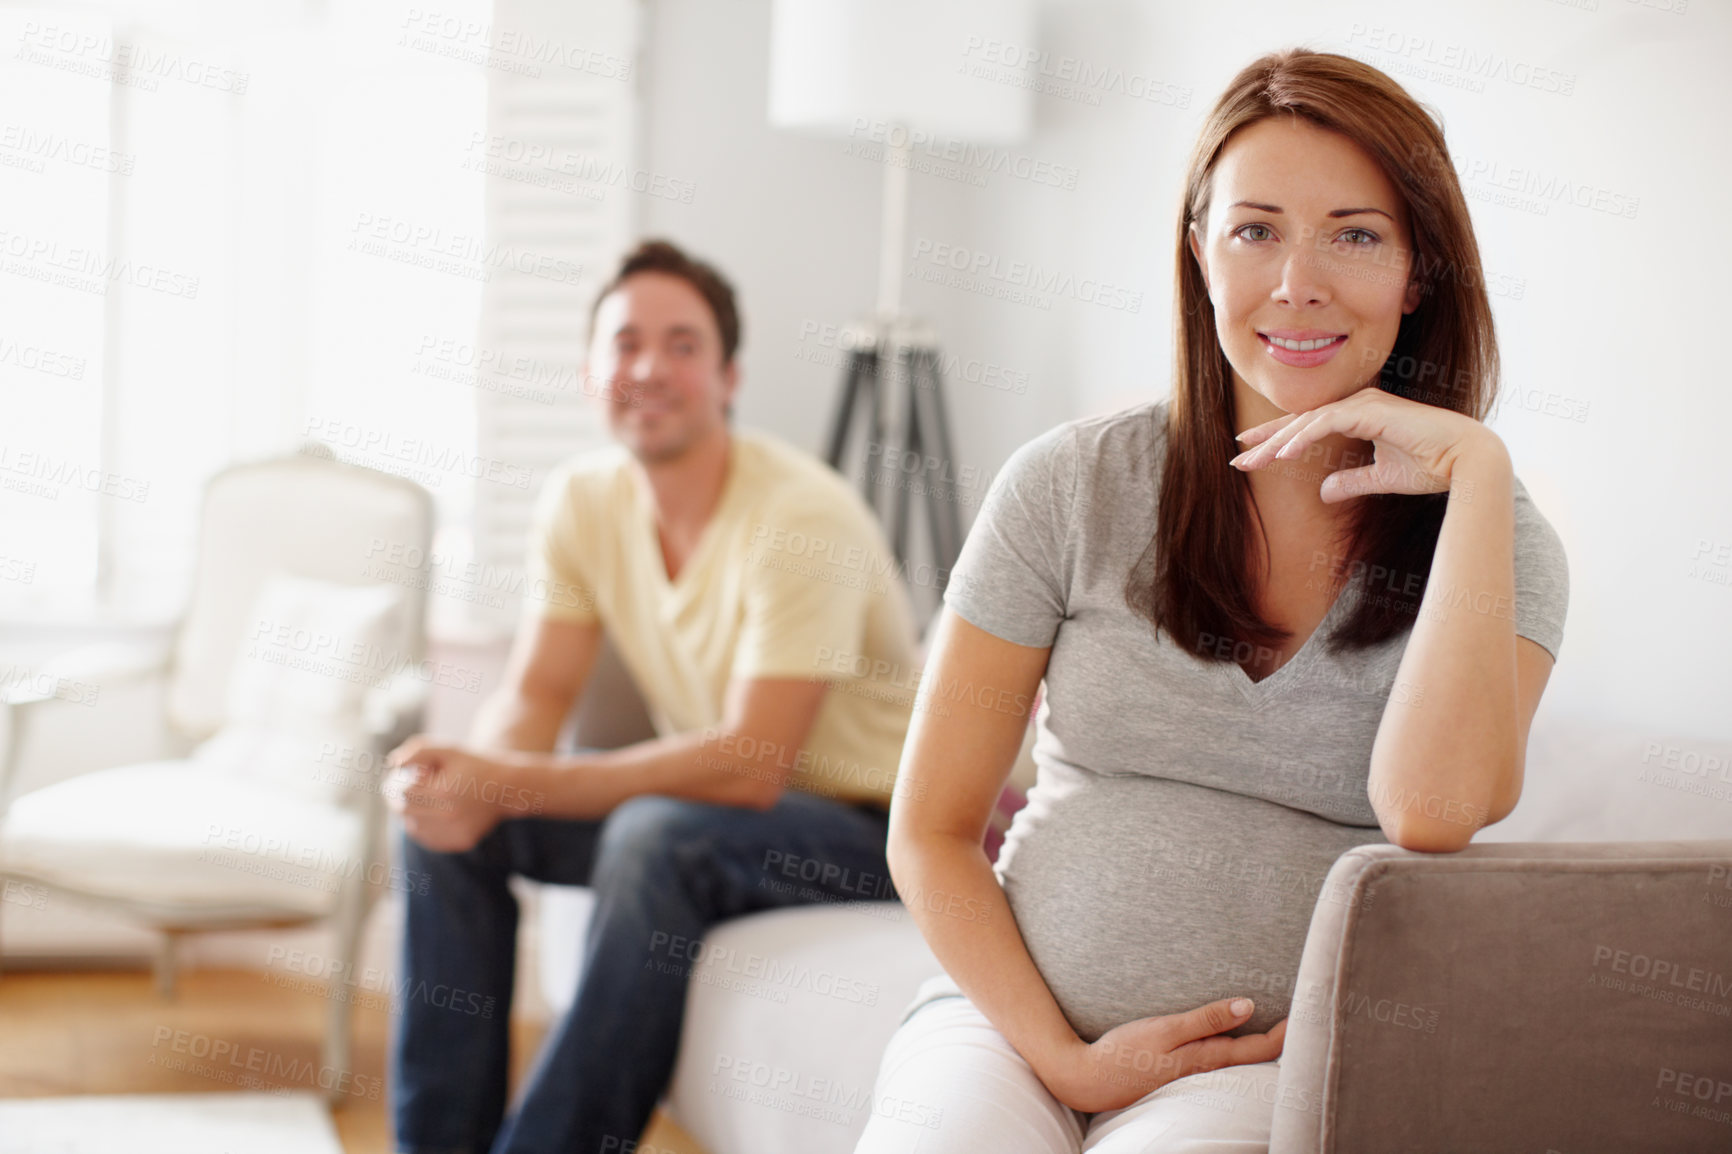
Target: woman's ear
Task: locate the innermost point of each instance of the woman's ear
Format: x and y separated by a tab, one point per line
1410	300
1196	241
1415	291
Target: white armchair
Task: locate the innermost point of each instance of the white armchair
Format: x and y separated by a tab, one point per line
298	664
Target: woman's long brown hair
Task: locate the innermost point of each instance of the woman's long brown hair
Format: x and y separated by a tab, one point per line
1193	580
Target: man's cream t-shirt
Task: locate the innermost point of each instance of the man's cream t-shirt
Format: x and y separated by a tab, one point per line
791	578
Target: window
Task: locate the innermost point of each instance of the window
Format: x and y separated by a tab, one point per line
313	222
57	163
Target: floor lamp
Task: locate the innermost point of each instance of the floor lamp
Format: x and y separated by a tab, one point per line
899	73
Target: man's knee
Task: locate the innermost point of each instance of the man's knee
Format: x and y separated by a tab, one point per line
490	852
646	829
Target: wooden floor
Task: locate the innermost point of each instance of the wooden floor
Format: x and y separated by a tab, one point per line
109	1033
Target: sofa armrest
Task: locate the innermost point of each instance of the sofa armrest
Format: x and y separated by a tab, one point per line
395	710
1519	996
77	676
80	674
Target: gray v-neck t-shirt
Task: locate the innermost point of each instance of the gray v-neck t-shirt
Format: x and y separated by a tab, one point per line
1184	818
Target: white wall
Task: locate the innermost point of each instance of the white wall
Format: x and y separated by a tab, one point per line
1617	313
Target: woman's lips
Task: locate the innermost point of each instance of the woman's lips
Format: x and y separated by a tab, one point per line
1306	359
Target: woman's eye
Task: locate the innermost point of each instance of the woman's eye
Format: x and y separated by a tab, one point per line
1359	236
1255	232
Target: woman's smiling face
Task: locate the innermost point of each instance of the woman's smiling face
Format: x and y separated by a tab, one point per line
1305	249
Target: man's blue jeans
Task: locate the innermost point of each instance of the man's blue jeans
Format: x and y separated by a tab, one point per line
661	868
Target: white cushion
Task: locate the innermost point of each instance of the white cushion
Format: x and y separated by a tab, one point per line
806	1033
311	649
310	652
322	761
179	835
807	997
297	514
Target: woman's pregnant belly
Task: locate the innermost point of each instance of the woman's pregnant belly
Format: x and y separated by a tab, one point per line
1141	896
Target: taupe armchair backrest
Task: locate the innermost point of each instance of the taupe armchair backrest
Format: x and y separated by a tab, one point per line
1518	996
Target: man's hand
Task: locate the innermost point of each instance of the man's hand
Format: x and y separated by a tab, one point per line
1130	1060
448	797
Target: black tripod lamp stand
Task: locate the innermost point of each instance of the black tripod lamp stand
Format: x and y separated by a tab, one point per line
892	373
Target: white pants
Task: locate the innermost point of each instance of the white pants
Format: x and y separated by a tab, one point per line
951	1084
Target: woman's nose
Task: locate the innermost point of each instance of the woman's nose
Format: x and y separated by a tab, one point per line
1304	276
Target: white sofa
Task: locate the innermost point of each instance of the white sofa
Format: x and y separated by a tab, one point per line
789	1063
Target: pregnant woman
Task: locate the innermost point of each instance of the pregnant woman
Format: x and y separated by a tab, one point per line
1302	606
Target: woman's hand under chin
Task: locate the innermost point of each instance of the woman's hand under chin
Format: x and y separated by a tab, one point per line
1416	447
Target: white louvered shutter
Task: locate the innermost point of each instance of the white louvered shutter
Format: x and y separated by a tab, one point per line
561	159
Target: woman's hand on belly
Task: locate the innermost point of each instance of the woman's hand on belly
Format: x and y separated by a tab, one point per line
1130	1060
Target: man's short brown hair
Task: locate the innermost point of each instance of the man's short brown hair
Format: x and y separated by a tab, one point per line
666	257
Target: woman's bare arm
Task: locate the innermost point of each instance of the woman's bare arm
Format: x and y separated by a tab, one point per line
1443	769
954	764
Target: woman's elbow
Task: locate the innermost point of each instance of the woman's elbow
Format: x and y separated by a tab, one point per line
1429	835
901	852
910	846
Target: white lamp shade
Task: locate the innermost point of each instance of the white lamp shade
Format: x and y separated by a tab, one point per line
835	64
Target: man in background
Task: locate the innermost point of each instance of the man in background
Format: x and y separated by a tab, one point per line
751	594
